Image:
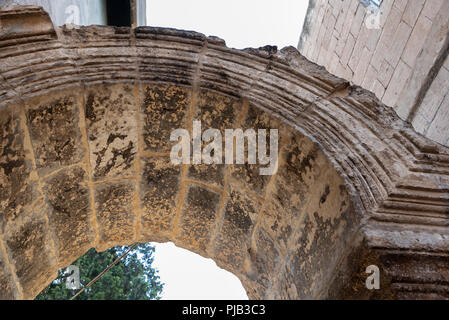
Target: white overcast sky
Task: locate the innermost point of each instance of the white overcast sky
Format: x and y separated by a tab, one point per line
242	24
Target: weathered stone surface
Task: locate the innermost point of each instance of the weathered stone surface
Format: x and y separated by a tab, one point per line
6	281
312	259
198	216
159	192
302	163
164	109
414	276
54	131
114	205
262	260
16	190
28	247
215	111
70	212
254	290
111	116
329	225
233	237
352	285
249	173
37	22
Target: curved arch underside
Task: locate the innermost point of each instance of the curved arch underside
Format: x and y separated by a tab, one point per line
85	119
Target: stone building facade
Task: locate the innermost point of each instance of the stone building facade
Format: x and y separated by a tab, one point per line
403	60
85	119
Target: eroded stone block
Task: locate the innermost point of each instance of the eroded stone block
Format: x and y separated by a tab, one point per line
69	212
164	109
7	286
302	163
262	259
249	174
114	206
159	191
215	111
279	221
28	248
16	190
253	289
322	237
111	119
233	237
287	288
198	216
54	131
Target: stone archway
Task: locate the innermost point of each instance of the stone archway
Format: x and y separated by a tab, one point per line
86	115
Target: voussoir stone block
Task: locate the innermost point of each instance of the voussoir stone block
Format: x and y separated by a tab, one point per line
327	228
303	163
249	174
111	120
164	109
159	190
261	263
215	111
70	212
17	190
115	212
54	130
29	249
198	217
7	290
234	235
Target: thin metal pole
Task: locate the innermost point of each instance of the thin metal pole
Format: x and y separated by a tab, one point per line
104	271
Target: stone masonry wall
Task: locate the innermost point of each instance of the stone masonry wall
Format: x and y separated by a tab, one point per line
404	62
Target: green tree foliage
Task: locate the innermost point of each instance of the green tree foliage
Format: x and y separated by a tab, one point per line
133	278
